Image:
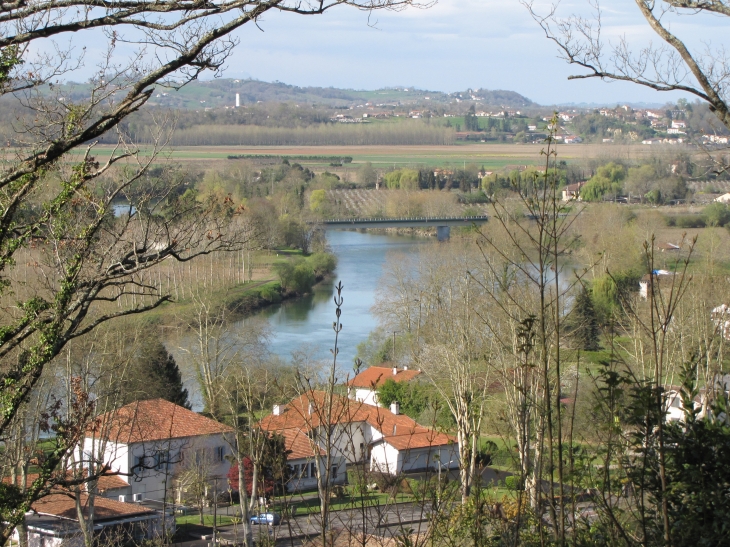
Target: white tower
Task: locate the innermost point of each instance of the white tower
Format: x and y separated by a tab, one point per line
238	100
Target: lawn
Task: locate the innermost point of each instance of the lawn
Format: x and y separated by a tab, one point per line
222	520
312	506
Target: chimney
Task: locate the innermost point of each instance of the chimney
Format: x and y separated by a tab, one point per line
405	367
238	100
395	407
395	371
310	408
277	410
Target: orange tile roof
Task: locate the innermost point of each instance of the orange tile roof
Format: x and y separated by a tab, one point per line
64	506
108	481
374	377
153	420
399	430
297	442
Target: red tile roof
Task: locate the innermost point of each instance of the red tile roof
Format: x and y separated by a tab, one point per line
374	377
64	506
399	430
153	420
297	442
108	481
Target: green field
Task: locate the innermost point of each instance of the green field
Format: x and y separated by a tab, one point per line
491	156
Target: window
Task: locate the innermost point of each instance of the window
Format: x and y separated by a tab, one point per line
334	472
362	451
313	470
138	464
220	453
305	471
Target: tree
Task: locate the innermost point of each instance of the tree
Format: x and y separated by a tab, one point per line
57	199
671	66
366	175
582	324
155	374
606	182
716	214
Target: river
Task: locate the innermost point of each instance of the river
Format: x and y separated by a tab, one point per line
306	322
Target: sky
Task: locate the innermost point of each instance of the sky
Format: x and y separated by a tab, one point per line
452	46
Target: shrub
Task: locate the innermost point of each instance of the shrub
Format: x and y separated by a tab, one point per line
322	263
685	221
295	275
716	214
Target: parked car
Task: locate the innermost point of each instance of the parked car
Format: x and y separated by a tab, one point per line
266	518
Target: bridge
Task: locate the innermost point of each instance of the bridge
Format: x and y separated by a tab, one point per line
443	225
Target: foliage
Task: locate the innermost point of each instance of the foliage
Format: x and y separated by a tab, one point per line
716	214
606	182
322	263
402	179
412	396
154	373
582	324
685	221
317	200
608	290
295	275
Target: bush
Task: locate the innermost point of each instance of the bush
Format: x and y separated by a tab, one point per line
685	221
716	214
475	197
512	483
322	263
295	275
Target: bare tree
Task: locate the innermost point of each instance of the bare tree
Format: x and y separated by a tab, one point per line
672	65
57	209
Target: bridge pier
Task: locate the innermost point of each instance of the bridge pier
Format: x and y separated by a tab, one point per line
443	233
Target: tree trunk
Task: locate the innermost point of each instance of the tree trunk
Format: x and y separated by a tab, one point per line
254	484
243	503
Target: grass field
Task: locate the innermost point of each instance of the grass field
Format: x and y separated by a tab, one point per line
491	156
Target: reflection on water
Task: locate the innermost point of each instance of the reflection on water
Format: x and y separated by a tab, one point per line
307	321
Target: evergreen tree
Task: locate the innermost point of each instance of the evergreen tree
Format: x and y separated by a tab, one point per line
582	323
155	374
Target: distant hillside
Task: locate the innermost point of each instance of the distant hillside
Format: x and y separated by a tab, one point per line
222	92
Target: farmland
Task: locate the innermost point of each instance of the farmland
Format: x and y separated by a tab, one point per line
491	156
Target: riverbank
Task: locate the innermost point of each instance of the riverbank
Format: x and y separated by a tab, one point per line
238	301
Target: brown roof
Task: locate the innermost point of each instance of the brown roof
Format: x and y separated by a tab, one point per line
298	443
63	506
377	376
108	481
153	420
399	430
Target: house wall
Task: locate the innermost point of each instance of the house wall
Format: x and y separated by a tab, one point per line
297	483
367	396
425	458
385	459
155	483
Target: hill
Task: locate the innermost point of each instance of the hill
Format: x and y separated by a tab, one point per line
222	92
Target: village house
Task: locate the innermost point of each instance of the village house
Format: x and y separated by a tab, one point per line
661	279
572	191
53	521
364	386
149	443
383	440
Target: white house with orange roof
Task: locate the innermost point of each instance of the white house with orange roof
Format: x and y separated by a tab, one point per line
364	386
384	439
146	443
